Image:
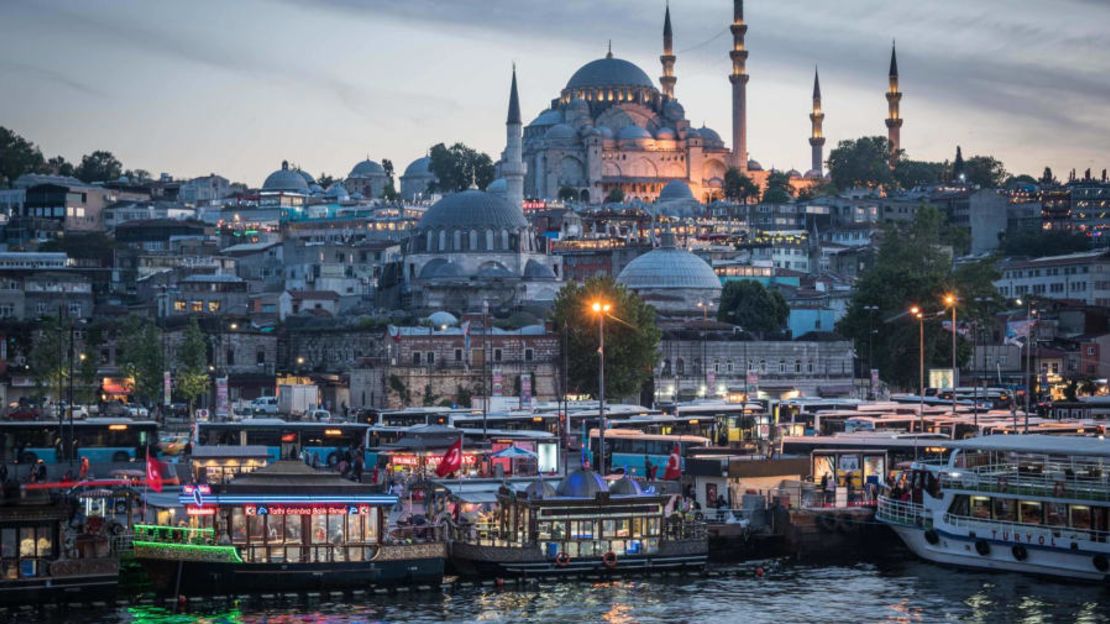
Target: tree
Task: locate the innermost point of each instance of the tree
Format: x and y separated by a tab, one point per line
390	192
911	173
49	356
739	187
17	157
59	166
141	358
778	189
325	180
863	162
192	364
457	167
1021	179
137	175
985	171
631	343
89	365
912	268
751	306
615	196
99	166
397	386
1036	243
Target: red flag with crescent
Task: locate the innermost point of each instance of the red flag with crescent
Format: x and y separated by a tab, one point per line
451	461
153	473
674	465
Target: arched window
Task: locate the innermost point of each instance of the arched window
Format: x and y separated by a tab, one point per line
428	241
763	366
680	366
473	240
442	241
489	240
666	368
782	366
456	240
505	240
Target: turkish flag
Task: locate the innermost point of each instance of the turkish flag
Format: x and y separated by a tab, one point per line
674	469
153	473
451	461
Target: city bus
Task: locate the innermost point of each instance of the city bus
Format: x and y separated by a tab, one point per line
324	442
101	440
628	449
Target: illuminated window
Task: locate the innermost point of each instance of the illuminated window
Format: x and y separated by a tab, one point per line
197	306
179	306
213	306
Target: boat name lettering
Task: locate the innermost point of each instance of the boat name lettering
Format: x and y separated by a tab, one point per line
305	510
1028	538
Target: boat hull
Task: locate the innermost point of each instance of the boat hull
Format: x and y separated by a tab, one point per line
60	590
506	562
961	551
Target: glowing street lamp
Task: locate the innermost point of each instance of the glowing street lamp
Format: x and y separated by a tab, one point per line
601	309
916	313
951	300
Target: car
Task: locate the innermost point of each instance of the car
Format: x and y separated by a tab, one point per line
320	415
137	411
173	443
267	405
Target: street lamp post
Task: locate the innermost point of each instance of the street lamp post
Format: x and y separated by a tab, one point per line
920	316
871	310
601	309
950	300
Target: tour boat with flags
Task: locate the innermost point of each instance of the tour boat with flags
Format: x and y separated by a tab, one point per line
285	527
1022	503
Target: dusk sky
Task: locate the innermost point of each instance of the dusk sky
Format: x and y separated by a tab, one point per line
235	87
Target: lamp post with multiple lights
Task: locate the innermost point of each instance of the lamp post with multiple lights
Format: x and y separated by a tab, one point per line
918	314
951	300
601	309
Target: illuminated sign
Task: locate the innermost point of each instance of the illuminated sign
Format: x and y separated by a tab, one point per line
333	432
193	510
117	427
306	510
196	493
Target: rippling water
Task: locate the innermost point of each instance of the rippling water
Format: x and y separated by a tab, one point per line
898	590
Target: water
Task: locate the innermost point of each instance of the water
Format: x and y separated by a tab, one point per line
896	590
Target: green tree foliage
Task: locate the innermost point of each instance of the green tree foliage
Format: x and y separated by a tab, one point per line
400	389
615	196
141	358
631	346
910	173
985	171
754	308
137	175
739	187
1036	243
912	269
59	166
390	191
99	166
89	365
457	166
1024	178
325	180
863	162
192	364
17	157
49	357
778	189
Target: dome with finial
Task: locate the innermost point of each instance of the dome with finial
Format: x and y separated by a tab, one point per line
365	169
285	179
609	72
473	210
669	267
676	190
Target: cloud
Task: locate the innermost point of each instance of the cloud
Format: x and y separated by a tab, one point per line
54	77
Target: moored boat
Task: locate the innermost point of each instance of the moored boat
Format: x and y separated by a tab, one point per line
286	527
1031	503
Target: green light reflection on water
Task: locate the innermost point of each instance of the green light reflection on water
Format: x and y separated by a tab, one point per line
147	614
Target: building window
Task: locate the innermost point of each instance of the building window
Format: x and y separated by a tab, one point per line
213	306
431	358
797	366
782	366
197	306
458	355
416	358
497	355
529	355
680	366
260	358
230	356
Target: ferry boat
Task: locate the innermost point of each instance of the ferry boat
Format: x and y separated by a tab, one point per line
584	526
285	527
1030	503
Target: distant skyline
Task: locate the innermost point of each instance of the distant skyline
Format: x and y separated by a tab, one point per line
235	88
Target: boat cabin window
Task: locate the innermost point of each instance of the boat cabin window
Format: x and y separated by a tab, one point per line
22	550
282	536
981	507
960	505
1056	514
1004	509
1029	512
1080	517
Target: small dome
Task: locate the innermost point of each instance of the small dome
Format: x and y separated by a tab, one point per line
500	185
609	72
440	268
285	179
578	105
539	490
753	165
473	210
365	169
315	189
626	487
494	269
669	267
673	110
549	117
709	135
633	132
582	484
560	132
537	270
794	173
309	180
587	130
338	191
418	166
665	134
439	319
606	132
676	190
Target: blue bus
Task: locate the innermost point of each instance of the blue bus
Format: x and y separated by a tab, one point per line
101	440
628	448
324	442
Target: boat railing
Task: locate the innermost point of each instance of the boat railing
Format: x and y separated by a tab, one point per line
900	512
1011	478
1025	531
173	535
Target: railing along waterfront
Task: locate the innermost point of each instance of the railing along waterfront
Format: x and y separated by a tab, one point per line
1053	481
1024	531
899	512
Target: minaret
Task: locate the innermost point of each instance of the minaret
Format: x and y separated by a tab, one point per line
513	167
739	80
668	78
894	119
817	137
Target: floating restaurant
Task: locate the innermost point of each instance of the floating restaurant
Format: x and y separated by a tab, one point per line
285	527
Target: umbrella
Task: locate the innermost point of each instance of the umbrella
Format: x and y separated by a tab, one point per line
514	452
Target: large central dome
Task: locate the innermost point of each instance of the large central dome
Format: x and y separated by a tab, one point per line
669	267
609	72
473	210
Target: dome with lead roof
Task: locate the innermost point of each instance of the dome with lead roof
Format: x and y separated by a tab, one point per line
285	179
366	168
669	267
473	210
609	72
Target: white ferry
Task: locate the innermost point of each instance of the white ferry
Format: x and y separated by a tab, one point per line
1022	503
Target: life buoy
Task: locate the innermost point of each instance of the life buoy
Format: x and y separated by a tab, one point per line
562	559
1100	562
982	547
1019	552
931	536
609	559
